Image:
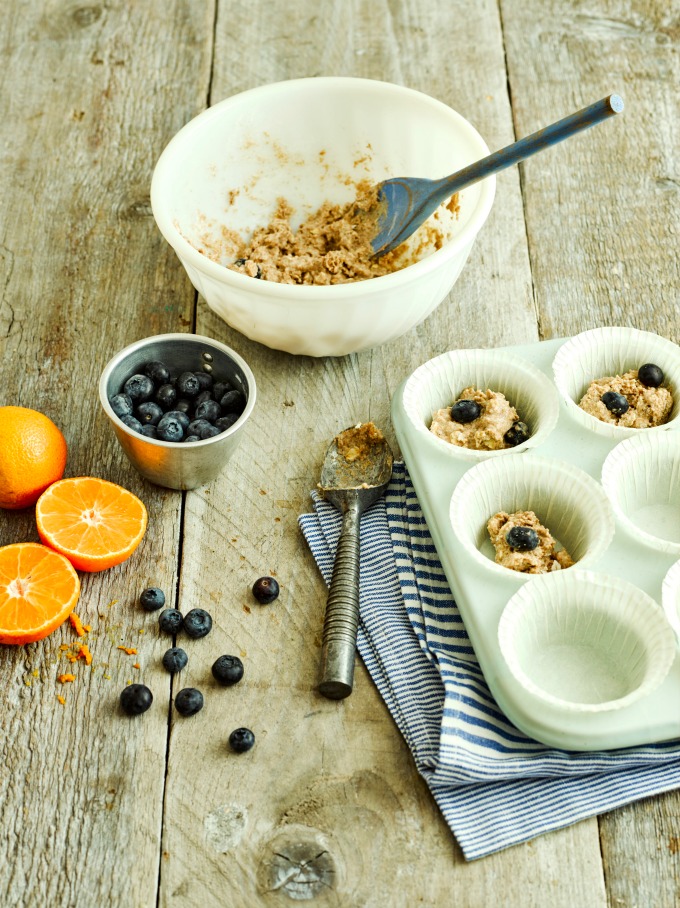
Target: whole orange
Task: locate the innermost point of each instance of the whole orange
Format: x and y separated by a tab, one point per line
32	456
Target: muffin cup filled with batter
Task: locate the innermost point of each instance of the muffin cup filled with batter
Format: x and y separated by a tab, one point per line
605	361
585	641
641	477
567	502
500	383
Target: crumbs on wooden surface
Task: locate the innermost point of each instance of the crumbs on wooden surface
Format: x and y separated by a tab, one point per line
129	650
75	652
78	626
84	653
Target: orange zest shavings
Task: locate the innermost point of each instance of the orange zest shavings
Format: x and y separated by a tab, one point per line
130	650
77	625
65	678
84	653
61	699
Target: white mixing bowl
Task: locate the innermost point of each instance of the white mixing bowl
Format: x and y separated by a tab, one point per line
310	141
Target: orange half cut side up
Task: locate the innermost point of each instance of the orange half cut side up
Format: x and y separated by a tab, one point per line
38	591
94	523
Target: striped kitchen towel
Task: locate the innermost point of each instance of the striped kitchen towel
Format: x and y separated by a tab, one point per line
495	786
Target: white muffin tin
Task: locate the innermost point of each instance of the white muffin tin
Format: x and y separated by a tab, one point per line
482	589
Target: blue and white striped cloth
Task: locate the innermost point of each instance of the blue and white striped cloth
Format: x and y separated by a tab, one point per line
494	786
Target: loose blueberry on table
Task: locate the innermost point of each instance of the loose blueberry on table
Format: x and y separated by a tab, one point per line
197	623
170	621
241	740
465	411
189	407
189	701
522	539
265	590
227	670
152	599
174	660
135	699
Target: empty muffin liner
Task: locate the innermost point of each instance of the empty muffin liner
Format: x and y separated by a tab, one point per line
670	597
641	477
604	352
585	641
438	383
567	501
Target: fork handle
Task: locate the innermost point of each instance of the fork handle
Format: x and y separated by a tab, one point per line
537	141
342	612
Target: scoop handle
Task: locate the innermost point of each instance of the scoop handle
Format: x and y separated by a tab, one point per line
342	612
537	141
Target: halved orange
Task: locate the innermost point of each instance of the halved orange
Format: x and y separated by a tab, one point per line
96	524
38	590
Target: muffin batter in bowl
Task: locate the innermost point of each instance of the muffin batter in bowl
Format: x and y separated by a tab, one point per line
332	246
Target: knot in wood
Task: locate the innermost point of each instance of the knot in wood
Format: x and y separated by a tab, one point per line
134	207
300	870
86	15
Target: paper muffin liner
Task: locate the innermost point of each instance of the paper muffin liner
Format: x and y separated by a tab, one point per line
585	641
438	383
670	597
604	352
566	500
641	477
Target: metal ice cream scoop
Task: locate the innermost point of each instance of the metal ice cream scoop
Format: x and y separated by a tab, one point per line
355	474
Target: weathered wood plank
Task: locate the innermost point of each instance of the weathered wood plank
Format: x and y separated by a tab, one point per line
603	222
337	777
90	97
602	208
96	91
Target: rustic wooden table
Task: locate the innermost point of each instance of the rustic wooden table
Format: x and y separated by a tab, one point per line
99	809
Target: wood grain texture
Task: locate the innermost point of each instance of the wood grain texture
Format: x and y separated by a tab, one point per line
98	809
603	221
602	209
328	778
84	116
